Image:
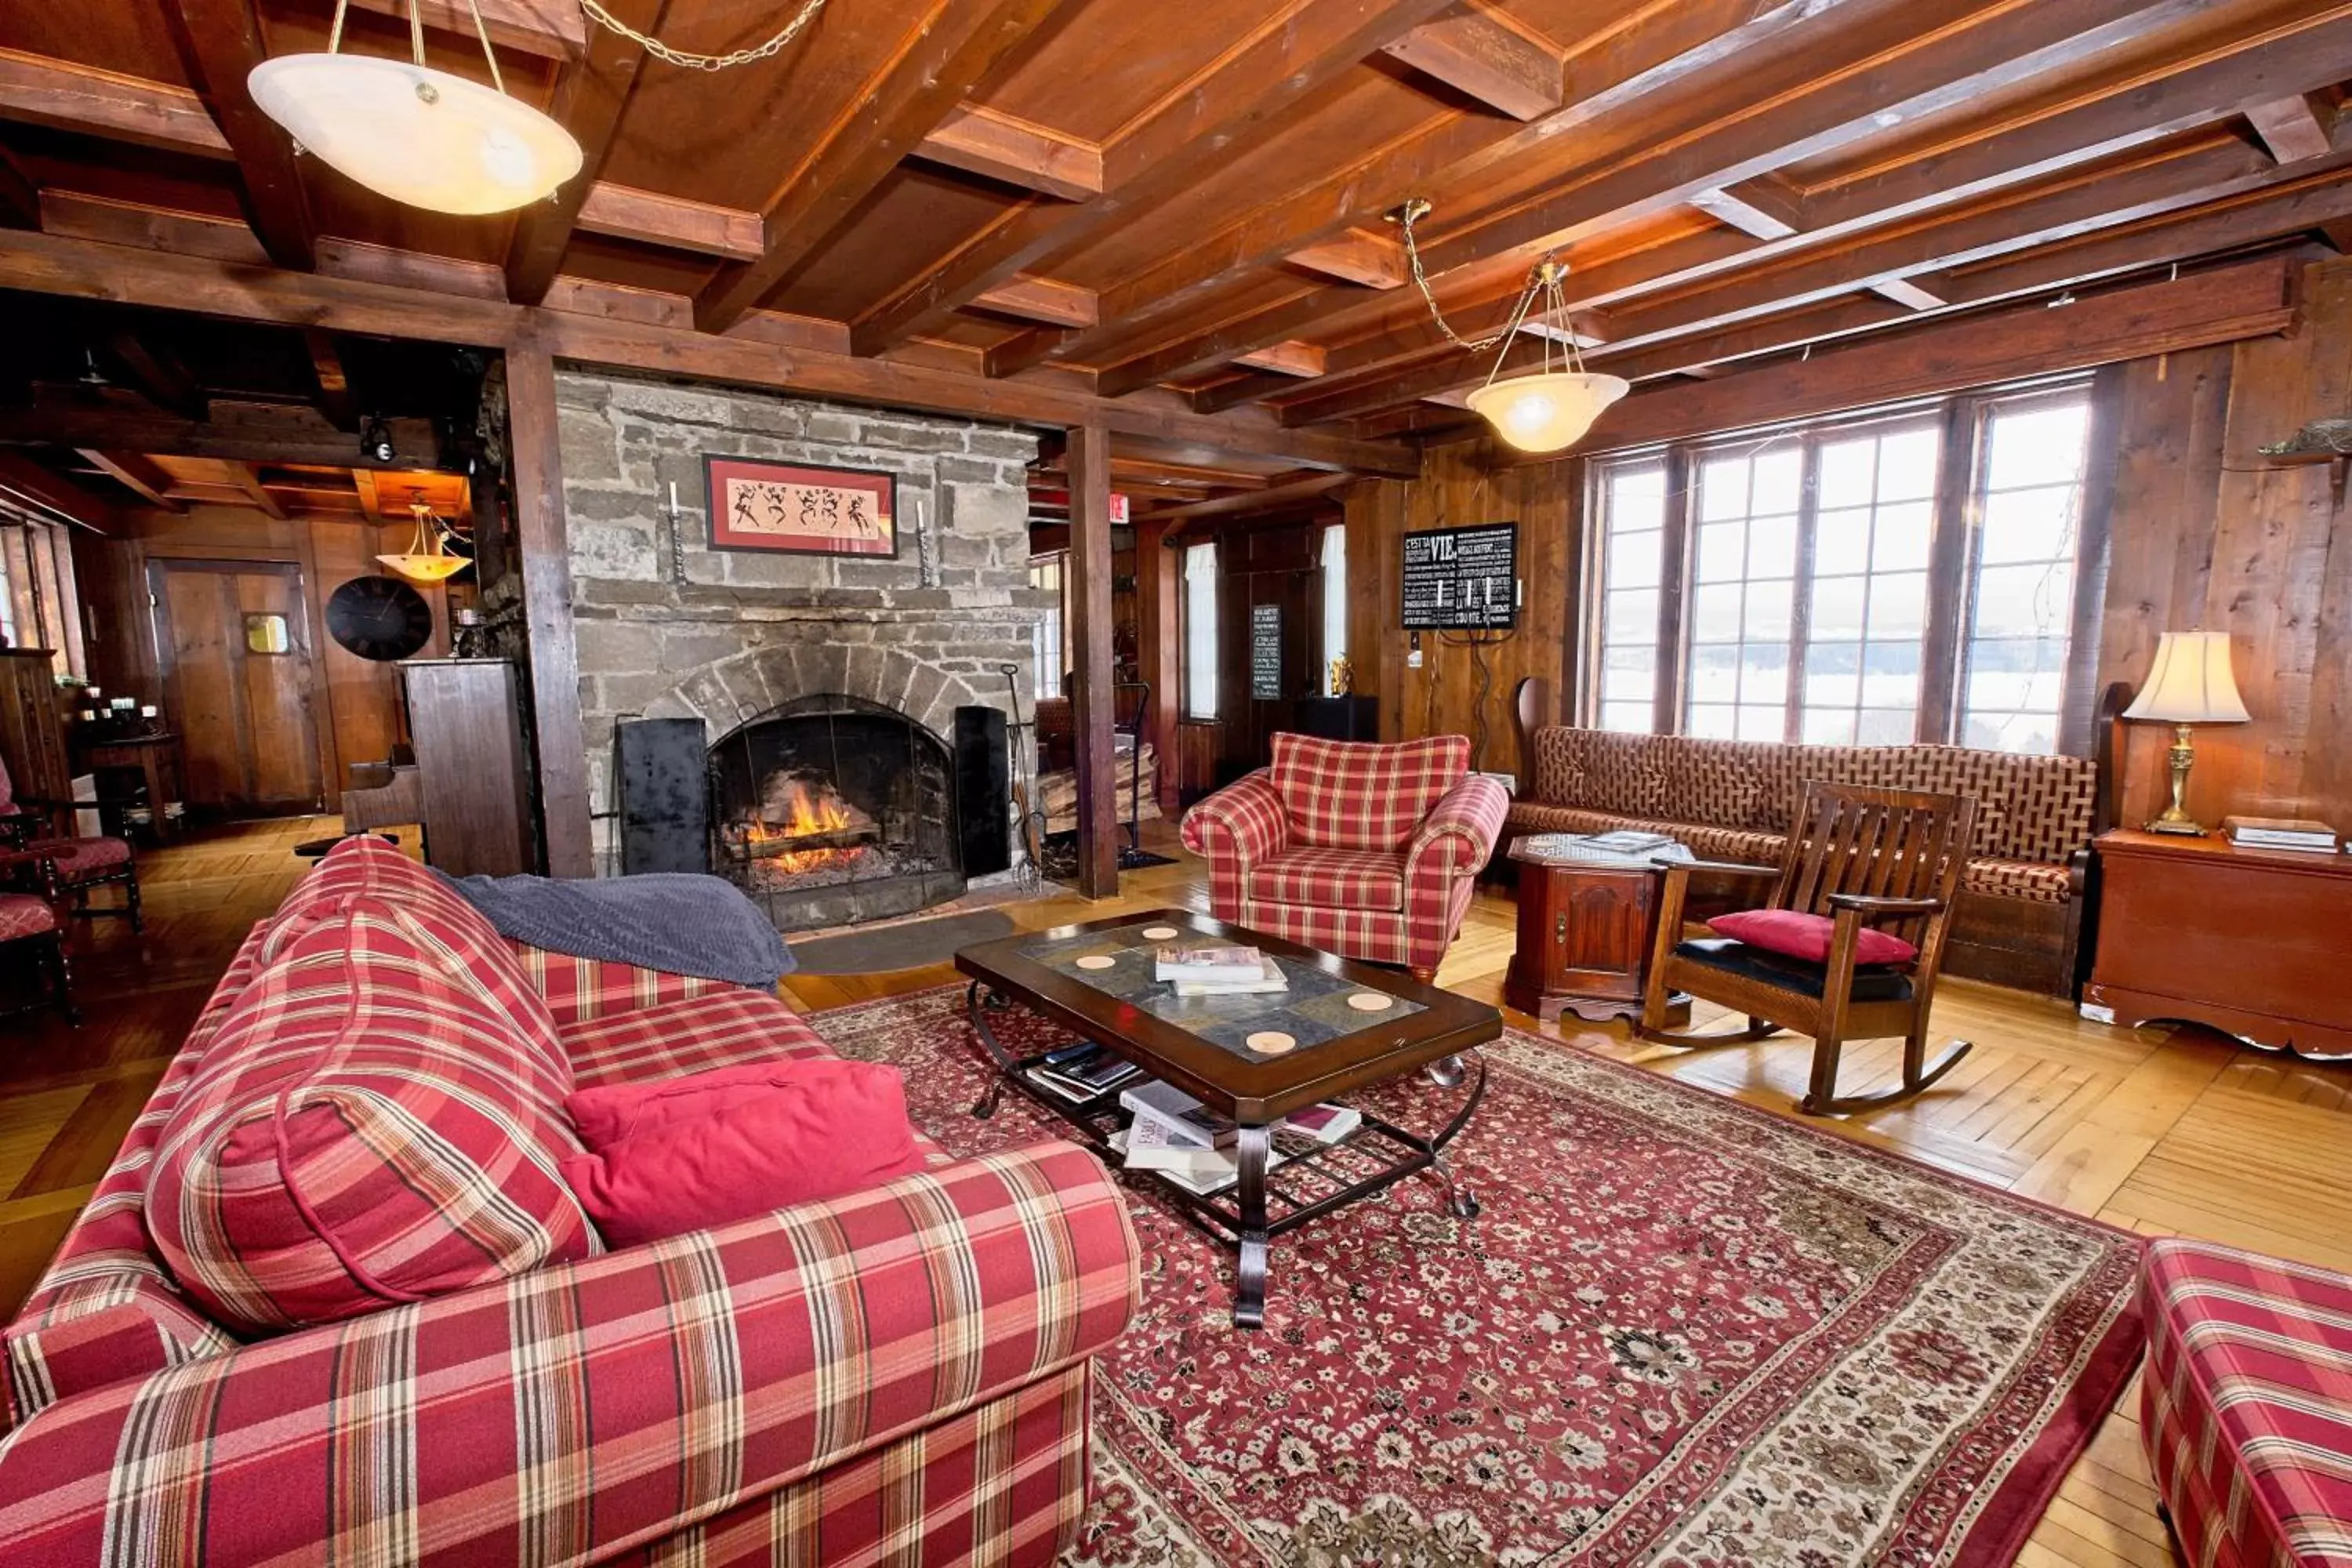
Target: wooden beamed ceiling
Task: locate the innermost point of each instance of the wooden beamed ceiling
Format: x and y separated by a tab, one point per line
1184	210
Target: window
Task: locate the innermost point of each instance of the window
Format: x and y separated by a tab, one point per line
1633	509
1829	585
1201	631
1334	597
2021	581
1046	575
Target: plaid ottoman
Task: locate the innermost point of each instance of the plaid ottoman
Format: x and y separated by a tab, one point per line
2247	1405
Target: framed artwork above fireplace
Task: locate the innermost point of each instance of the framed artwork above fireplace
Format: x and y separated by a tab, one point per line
791	509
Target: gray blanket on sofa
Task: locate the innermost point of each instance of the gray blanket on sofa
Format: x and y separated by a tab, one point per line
678	922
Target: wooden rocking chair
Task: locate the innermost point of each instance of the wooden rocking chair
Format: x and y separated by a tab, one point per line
1862	858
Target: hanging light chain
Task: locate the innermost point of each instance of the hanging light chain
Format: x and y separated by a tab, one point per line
1407	216
689	58
1544	281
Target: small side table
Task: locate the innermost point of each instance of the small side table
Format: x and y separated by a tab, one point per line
1587	924
156	756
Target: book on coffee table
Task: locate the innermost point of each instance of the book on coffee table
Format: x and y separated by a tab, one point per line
1209	965
1270	980
1186	1119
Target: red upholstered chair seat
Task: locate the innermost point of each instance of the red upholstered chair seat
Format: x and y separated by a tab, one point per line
1341	879
2246	1406
77	858
23	915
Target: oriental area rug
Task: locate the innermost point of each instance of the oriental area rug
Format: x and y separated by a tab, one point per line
1681	1331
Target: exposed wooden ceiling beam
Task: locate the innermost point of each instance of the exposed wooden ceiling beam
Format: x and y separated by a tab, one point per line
20	198
1294	359
72	97
1664	46
243	477
556	28
961	45
1359	256
1909	293
36	487
1474	54
158	376
1016	355
2250	300
653	218
1761	208
150	228
1809	102
370	494
2293	128
138	473
1250	501
1266	80
980	140
1218	397
290	436
222	41
1042	300
335	400
589	97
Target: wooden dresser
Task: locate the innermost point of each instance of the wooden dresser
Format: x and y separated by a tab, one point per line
2257	943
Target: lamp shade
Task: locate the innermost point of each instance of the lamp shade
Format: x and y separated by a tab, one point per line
415	134
2190	682
1548	413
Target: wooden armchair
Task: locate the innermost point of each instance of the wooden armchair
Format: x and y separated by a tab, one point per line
1888	859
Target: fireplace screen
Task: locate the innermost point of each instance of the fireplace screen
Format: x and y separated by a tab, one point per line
830	810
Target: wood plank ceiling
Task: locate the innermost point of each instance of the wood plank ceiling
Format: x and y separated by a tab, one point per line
1186	204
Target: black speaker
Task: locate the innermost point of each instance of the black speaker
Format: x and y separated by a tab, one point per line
983	785
665	789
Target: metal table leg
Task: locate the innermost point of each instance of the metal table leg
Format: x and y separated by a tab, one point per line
1249	1274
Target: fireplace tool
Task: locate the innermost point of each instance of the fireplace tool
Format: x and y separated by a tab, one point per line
1032	823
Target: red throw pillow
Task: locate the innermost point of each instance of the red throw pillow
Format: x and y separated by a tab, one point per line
605	1115
696	1155
1796	935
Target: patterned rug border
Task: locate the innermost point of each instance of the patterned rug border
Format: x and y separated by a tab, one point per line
2102	1371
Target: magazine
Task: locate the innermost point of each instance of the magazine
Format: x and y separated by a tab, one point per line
1270	979
1186	1118
1226	965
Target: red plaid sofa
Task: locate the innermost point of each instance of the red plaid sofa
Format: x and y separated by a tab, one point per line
1367	851
900	1374
2246	1408
2019	917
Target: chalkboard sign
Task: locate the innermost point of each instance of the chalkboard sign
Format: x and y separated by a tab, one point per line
1461	579
1266	652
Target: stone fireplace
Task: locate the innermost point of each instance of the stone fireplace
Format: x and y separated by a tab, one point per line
826	687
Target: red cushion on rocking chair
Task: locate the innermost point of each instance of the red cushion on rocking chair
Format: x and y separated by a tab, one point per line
1795	935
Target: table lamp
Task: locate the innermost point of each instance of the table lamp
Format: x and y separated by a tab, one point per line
2189	684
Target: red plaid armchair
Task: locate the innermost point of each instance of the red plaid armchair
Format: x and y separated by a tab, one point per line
1367	851
900	1374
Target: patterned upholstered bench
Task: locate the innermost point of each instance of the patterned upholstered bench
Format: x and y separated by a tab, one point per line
2247	1405
2020	915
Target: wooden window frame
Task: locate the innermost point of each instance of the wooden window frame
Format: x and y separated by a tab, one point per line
1963	421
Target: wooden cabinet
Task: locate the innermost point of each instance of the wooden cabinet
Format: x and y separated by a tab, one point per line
467	724
33	733
2252	942
1586	929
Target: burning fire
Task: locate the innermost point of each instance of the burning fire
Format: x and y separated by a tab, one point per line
791	811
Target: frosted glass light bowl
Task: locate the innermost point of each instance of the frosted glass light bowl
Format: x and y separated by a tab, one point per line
418	135
1548	412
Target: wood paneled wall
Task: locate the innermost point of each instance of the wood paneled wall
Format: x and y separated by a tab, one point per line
2211	534
1459	485
2206	532
357	701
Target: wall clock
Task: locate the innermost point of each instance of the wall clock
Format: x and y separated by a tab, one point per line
381	618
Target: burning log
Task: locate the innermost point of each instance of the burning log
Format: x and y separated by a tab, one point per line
764	846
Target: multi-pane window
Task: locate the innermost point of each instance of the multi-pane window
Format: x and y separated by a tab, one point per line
1046	574
2030	506
1201	631
1873	522
1632	501
1850	584
1744	593
1335	597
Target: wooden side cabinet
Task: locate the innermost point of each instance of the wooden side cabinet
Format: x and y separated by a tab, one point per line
1588	925
466	722
2249	941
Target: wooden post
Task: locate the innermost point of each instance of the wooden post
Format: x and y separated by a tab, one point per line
1093	702
546	610
1160	640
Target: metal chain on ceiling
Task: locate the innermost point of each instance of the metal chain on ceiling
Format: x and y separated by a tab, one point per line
693	61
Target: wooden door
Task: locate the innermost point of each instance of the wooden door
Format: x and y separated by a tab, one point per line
234	643
1271	606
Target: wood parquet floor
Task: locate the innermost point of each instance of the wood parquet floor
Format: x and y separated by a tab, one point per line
2162	1132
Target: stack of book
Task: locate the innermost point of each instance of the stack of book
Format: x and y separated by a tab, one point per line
2280	833
1218	971
1175	1135
1081	1072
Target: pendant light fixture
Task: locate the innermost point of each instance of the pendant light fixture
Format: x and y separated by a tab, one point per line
1549	408
403	130
425	561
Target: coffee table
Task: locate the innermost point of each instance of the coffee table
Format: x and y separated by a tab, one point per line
1340	1027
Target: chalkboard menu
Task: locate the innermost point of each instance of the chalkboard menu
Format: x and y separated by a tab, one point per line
1266	652
1461	579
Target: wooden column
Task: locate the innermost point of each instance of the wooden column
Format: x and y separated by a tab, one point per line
1093	702
1160	641
537	471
